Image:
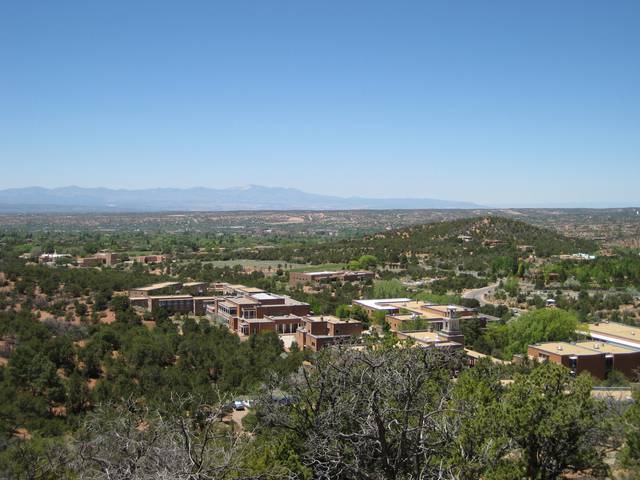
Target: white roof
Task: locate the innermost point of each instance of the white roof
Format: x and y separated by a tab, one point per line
264	296
381	303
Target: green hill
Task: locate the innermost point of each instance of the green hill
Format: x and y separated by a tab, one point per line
472	242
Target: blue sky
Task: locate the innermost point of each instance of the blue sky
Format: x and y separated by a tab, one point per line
497	102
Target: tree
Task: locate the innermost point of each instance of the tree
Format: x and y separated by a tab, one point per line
479	443
35	373
389	289
544	325
630	455
555	423
373	413
368	261
343	311
129	441
78	395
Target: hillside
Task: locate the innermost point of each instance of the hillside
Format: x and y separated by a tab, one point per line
472	242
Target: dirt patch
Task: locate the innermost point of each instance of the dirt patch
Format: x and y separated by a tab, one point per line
22	433
108	317
150	324
59	411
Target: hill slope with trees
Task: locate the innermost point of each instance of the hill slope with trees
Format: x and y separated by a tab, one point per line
470	242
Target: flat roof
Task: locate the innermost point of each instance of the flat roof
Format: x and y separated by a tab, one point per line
157	286
326	272
429	309
171	297
478	355
422	336
265	296
243	301
382	303
287	301
565	348
243	288
330	319
283	317
612	331
606	347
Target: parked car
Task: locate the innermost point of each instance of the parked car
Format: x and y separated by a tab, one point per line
238	405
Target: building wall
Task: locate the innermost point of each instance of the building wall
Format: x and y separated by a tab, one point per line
627	363
298	278
258	327
301	338
172	305
349	328
287	326
91	262
278	310
593	364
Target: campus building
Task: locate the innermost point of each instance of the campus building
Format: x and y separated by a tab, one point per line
150	259
281	324
428	316
100	259
51	258
156	289
404	314
593	356
617	333
317	279
576	358
185	304
320	331
233	311
389	306
429	339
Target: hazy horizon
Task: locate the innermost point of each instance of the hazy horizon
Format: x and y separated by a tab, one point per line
517	104
472	205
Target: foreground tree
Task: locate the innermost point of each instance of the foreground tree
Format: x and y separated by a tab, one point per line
375	413
554	423
189	441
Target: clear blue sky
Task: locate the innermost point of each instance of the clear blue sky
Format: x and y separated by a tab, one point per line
497	102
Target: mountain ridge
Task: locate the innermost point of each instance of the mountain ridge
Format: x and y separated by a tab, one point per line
251	197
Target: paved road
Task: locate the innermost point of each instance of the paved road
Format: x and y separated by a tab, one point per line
480	293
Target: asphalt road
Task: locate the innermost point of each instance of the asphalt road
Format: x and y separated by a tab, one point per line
480	293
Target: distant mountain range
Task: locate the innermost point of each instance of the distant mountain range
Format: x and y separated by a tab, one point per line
253	197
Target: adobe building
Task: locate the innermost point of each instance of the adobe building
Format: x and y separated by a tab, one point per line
194	288
156	289
617	333
320	331
281	324
150	259
433	316
426	339
100	259
474	357
576	358
317	279
88	262
232	310
181	304
617	357
389	306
